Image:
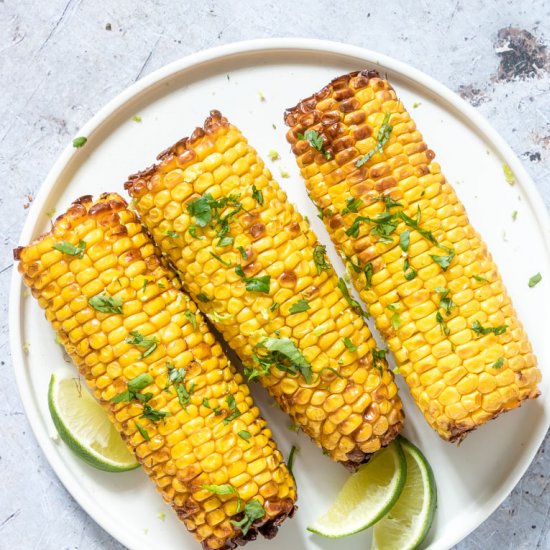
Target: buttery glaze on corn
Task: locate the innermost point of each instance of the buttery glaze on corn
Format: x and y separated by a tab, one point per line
192	447
350	409
454	378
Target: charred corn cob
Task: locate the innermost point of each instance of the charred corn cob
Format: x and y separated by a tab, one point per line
151	361
257	271
424	272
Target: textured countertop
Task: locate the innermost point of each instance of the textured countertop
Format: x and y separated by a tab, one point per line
61	61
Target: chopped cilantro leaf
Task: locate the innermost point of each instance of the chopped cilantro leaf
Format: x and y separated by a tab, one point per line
404	240
191	317
184	395
217	411
378	358
415	224
290	462
443	261
71	249
351	301
222	261
353	265
382	138
479	329
193	232
142	431
220	489
299	306
137	339
535	280
351	206
315	140
206	209
134	387
106	303
201	209
140	382
388	201
384	223
226	241
350	345
368	270
395	320
175	375
257	195
79	141
283	353
320	258
409	272
235	412
153	415
445	301
224	489
252	511
444	328
254	284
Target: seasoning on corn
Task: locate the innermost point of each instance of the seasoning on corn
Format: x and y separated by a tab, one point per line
270	291
424	272
150	360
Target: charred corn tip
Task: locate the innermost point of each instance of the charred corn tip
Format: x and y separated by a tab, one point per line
435	292
293	115
136	185
350	406
187	427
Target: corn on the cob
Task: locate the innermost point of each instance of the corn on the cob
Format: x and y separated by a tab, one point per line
150	359
257	271
424	272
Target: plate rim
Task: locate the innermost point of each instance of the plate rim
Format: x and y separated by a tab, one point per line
251	47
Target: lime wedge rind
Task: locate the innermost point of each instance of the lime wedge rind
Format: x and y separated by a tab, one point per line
85	428
407	524
367	495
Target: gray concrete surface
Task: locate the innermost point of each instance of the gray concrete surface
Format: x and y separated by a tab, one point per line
60	61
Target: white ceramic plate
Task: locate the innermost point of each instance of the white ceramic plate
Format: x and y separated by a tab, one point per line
474	478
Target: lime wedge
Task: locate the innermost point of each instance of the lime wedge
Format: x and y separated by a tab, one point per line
85	427
408	522
366	496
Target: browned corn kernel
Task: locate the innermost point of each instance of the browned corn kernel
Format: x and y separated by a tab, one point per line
373	157
153	329
282	292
